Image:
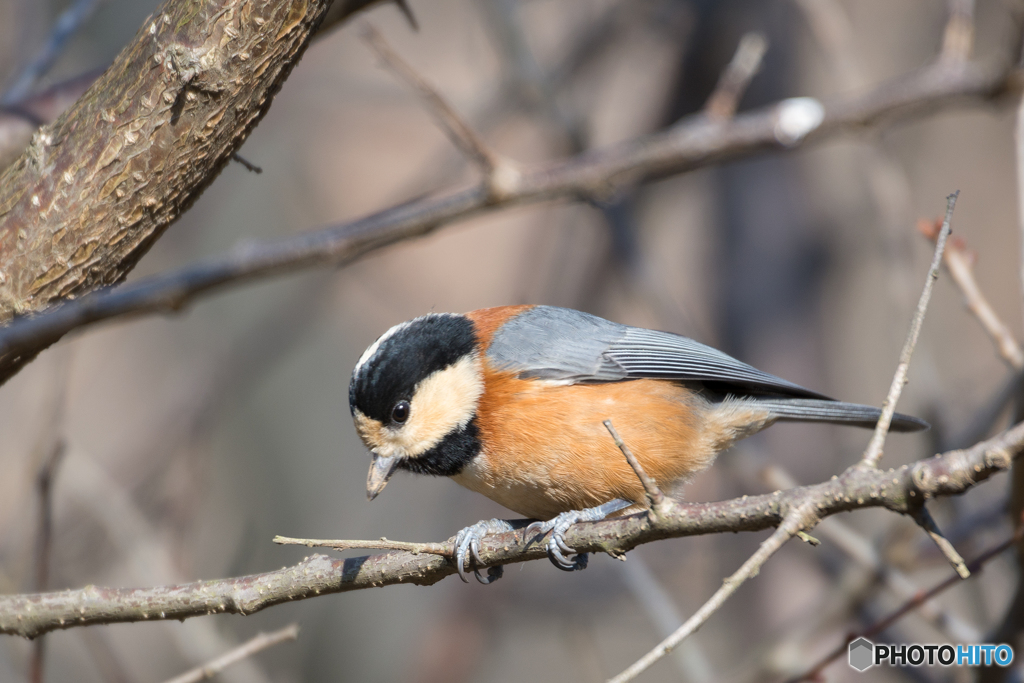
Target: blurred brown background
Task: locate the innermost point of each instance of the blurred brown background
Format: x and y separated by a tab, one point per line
193	440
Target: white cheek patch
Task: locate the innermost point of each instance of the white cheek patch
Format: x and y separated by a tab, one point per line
443	403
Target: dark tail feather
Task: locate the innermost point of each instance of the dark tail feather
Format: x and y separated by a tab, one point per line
837	412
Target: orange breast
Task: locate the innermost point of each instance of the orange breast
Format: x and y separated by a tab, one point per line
546	450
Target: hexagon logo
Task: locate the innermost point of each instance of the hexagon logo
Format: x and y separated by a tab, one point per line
862	654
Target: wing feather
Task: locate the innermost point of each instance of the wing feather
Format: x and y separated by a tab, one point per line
569	346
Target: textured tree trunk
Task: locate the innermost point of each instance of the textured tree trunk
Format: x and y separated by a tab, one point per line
97	187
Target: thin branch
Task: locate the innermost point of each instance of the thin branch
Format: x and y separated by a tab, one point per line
655	498
64	29
925	520
800	518
442	549
959	260
858	487
873	453
44	542
733	82
249	166
910	605
692	145
862	551
500	175
958	38
260	642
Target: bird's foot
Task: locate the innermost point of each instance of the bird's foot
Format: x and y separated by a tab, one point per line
557	549
467	546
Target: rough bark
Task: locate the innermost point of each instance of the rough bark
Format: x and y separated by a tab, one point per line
98	186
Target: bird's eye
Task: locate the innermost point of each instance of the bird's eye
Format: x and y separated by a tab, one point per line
400	413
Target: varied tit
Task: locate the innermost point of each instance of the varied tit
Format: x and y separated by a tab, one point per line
510	402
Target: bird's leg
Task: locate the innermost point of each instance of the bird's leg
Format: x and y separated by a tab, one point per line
560	524
467	544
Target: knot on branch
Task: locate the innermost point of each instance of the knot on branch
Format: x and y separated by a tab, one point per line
948	475
194	67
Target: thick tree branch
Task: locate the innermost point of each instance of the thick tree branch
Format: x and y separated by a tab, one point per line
690	145
901	490
97	187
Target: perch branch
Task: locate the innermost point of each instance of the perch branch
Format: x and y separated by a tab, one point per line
899	490
695	144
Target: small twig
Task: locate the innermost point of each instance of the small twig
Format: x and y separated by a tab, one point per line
261	642
382	544
927	522
406	11
44	545
64	29
655	498
959	260
873	453
797	520
249	166
500	175
737	76
958	38
862	551
910	605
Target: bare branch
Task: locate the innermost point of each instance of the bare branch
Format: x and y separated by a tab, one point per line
737	76
910	605
899	490
958	38
927	522
861	550
442	549
44	540
873	453
693	145
655	498
64	29
249	166
500	175
797	520
260	642
960	259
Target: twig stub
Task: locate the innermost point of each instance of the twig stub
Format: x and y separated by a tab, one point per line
655	498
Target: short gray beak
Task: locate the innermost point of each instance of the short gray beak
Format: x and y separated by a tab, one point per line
380	471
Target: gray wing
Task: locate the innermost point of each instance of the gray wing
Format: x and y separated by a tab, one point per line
566	345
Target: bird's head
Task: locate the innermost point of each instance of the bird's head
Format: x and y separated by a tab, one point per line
414	395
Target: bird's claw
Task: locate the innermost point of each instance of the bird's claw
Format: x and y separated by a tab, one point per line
557	526
467	548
